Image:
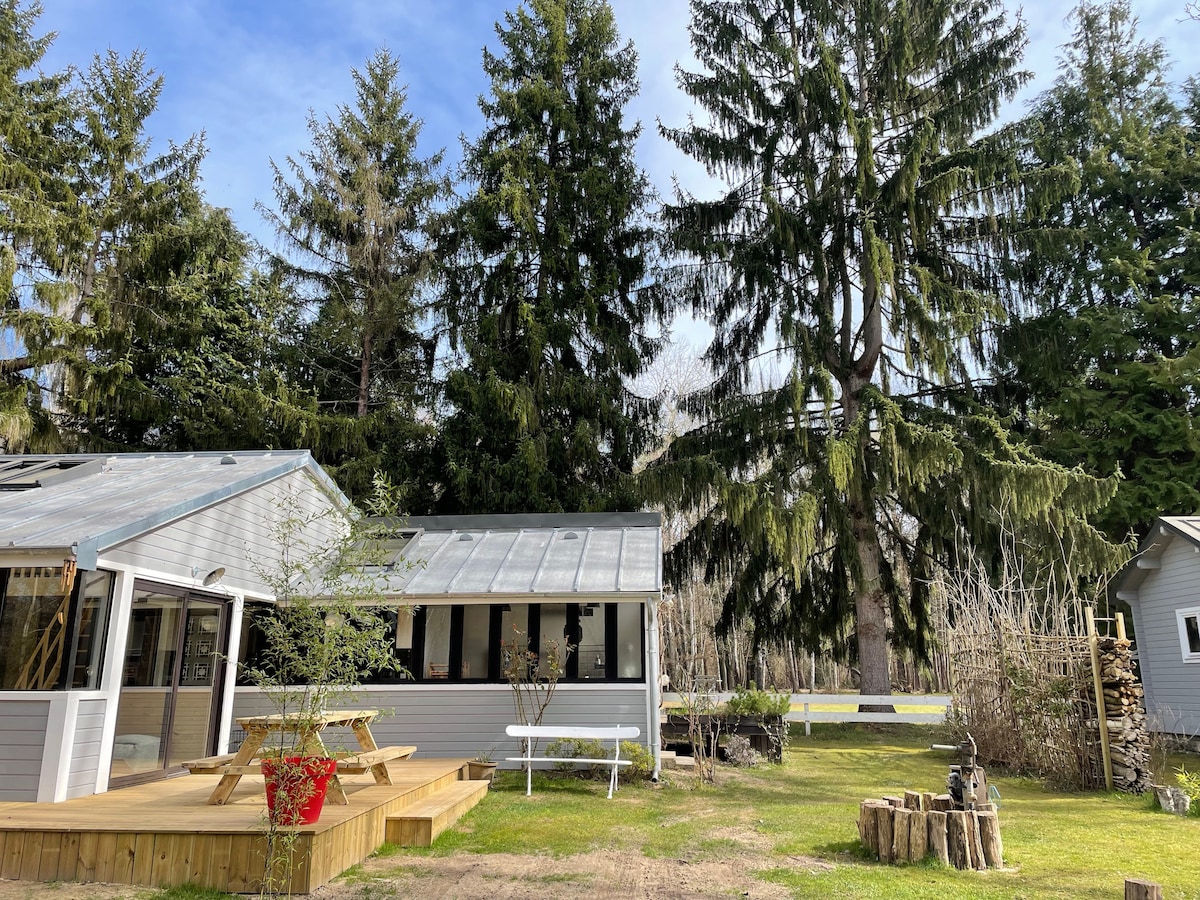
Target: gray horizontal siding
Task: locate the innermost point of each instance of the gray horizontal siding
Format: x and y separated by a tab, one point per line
23	726
235	534
1172	686
85	750
463	721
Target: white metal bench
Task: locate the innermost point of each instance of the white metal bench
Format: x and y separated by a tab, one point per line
529	733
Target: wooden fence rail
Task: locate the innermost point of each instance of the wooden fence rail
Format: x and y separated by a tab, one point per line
809	708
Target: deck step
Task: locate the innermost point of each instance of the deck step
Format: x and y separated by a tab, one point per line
419	825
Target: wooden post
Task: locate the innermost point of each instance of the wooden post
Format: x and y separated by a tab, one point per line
989	836
943	803
897	802
912	800
937	837
918	835
927	801
867	824
958	839
901	826
883	825
1121	626
1137	889
1098	688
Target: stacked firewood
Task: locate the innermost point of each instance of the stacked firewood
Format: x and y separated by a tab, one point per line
909	828
1128	737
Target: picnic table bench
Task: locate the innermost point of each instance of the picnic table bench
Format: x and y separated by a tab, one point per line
232	766
530	733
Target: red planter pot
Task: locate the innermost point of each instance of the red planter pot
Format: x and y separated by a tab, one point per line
296	788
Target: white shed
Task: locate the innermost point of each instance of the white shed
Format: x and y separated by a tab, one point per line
1162	586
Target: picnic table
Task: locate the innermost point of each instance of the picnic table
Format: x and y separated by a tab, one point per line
231	767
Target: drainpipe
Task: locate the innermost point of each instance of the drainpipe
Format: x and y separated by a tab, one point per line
653	696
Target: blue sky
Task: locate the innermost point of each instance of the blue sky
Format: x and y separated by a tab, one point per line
247	72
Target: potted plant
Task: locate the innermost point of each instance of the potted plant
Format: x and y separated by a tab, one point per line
325	632
482	768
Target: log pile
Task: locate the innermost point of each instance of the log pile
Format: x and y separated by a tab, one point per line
1128	737
917	825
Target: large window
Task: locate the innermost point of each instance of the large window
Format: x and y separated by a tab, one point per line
462	642
52	627
1189	633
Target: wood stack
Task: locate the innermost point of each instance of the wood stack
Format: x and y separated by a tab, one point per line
909	828
1128	737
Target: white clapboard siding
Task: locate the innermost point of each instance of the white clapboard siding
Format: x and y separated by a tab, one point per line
235	534
85	753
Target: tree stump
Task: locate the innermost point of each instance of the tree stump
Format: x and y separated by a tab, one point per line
937	837
977	860
901	819
958	839
918	835
1137	889
912	800
868	827
927	800
883	824
989	836
943	803
897	802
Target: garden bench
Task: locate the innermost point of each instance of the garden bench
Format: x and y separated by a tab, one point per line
530	733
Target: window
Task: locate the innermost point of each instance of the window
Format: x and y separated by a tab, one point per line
1189	633
52	628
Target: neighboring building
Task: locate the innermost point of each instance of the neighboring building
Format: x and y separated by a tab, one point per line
1162	586
123	581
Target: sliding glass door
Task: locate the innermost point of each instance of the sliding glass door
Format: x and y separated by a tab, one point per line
170	689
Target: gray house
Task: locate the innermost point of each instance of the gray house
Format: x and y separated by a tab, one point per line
125	581
1162	586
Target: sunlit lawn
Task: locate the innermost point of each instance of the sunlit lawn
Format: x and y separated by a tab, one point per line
1056	844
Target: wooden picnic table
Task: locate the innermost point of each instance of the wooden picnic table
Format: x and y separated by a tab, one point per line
308	732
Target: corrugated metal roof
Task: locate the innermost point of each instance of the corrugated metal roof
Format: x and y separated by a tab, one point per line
134	493
560	554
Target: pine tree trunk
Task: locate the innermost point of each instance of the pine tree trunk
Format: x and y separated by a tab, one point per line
871	613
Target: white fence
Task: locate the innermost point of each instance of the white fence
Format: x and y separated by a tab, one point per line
809	708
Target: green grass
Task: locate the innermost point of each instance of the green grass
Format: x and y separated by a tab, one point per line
1057	845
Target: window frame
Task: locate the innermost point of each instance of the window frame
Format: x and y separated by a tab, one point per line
1181	617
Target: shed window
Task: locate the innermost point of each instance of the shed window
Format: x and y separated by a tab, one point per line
52	628
1189	633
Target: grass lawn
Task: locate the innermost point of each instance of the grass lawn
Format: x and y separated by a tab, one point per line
1062	845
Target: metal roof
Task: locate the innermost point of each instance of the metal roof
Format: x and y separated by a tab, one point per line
510	556
1146	560
130	494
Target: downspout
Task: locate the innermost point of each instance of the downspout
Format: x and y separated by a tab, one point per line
653	695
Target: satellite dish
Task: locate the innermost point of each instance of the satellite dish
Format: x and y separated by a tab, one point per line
214	576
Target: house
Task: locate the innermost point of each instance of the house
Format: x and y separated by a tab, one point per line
467	586
1162	586
124	581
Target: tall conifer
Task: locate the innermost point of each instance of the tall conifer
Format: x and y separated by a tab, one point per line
1102	366
548	297
854	238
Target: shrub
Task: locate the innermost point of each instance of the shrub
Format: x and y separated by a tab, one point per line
641	760
753	702
1189	783
738	752
575	748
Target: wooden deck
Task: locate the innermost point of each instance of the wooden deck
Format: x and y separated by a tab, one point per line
165	833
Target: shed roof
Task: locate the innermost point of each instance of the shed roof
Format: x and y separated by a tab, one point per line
105	499
511	556
1150	551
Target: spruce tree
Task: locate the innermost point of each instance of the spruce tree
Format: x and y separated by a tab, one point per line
1102	366
549	300
856	238
352	217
